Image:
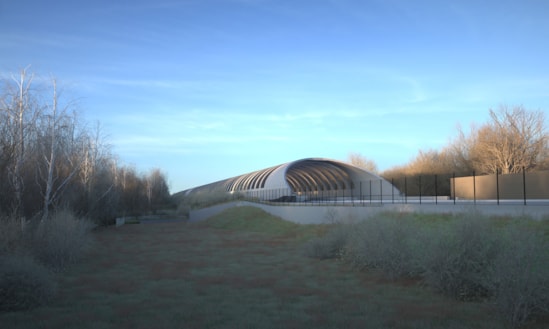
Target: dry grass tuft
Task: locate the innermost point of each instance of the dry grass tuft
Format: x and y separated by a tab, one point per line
24	283
61	240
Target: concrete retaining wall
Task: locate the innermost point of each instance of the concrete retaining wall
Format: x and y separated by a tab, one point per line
315	214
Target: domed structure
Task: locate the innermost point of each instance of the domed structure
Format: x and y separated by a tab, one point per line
303	180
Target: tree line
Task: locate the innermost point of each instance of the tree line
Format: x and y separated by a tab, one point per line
51	159
512	141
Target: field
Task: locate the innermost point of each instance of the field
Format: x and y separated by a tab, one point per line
241	269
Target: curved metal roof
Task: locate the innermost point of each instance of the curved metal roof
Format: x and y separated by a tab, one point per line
297	177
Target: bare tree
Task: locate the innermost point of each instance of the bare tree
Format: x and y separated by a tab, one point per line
513	141
156	189
95	158
48	158
150	182
459	151
358	160
59	157
132	191
431	162
7	153
19	111
424	173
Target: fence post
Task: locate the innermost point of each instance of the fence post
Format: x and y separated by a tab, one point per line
370	181
497	186
474	188
436	190
454	186
361	197
393	190
419	189
524	184
381	191
405	190
321	197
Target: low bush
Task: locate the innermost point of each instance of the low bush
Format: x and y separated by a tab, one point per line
468	257
10	234
460	256
331	245
24	283
391	244
519	278
61	239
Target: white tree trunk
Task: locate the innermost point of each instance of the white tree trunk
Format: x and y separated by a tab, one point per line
50	159
58	120
23	86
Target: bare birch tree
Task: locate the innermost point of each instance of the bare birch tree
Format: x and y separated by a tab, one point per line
58	150
95	162
48	158
19	112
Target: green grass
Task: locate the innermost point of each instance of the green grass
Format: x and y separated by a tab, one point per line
240	269
253	219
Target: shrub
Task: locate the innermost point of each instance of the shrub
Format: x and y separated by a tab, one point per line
388	243
470	257
61	240
331	245
24	283
519	278
10	234
460	257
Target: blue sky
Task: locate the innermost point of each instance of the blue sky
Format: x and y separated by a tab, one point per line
210	89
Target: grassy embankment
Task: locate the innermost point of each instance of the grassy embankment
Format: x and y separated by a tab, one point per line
240	269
